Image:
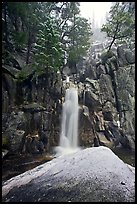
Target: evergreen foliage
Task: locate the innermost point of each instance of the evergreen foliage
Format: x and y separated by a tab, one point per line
49	33
120	26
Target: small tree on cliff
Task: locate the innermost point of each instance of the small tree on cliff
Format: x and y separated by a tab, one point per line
79	33
79	41
74	30
120	25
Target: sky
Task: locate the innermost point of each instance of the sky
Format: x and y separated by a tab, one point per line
96	9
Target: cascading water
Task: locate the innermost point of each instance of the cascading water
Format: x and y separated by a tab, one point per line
69	126
84	97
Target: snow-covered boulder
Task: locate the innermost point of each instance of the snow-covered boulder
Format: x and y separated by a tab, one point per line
94	174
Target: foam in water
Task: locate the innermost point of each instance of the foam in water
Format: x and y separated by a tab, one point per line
69	125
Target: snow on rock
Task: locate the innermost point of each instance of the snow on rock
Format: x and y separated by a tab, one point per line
94	174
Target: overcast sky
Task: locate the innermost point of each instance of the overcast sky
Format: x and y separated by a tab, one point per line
96	9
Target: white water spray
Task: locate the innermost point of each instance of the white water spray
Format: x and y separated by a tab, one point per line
69	126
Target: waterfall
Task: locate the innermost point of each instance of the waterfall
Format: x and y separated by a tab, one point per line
84	97
67	79
69	125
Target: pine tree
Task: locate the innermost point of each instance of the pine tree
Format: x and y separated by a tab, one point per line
120	24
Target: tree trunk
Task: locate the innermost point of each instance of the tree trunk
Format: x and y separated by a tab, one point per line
111	44
5	19
28	48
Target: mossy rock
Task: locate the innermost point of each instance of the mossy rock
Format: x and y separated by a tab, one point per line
24	73
33	107
4	141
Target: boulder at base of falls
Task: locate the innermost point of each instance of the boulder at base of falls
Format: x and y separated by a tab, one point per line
94	174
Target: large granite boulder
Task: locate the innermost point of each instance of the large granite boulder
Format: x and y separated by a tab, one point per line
91	175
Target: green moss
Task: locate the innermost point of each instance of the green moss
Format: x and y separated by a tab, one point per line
5	141
24	73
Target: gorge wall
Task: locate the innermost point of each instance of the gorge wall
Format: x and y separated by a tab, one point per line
109	87
31	109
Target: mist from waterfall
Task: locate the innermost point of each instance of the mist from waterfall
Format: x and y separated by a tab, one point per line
69	125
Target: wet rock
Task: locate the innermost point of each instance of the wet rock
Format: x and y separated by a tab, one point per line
14	127
126	95
15	139
130	57
5	101
43	137
108	116
110	112
96	142
21	60
10	70
85	111
107	86
106	89
104	141
90	71
128	126
33	107
86	127
100	70
34	145
105	56
16	120
92	100
40	147
8	92
4	152
99	121
115	133
113	62
121	56
94	85
126	86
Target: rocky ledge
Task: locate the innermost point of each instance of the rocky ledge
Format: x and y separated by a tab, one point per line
94	175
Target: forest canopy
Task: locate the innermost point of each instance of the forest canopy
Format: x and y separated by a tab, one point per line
50	33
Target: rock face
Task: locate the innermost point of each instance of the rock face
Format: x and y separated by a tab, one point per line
94	175
106	87
110	97
23	124
28	106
